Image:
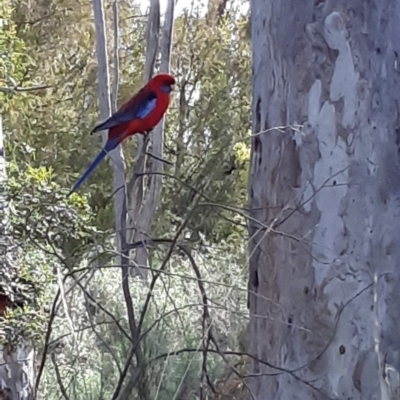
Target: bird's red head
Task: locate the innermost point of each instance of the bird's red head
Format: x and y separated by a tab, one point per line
163	81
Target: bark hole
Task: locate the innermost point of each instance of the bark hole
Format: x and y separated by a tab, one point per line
397	130
255	279
257	123
258	149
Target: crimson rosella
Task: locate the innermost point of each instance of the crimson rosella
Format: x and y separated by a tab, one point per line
139	115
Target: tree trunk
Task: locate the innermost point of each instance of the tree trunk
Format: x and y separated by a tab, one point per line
145	215
116	155
17	377
324	278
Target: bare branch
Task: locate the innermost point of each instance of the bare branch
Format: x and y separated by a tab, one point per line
58	377
47	341
13	89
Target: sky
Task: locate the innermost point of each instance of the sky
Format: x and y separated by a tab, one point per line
180	5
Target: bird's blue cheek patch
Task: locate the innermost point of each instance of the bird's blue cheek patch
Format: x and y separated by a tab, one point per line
166	88
147	108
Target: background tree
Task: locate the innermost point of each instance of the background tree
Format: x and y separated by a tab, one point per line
324	200
191	312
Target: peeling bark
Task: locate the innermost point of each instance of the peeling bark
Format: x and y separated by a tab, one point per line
324	283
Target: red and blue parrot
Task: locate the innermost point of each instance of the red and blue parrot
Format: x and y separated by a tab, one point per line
140	114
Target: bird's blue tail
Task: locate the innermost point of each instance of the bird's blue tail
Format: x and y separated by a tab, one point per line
90	169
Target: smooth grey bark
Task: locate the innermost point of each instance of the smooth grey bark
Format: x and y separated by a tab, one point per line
325	279
119	187
116	156
17	378
144	204
136	186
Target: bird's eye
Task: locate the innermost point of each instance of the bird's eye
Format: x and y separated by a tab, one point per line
166	88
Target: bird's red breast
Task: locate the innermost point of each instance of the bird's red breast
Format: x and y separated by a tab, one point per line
141	125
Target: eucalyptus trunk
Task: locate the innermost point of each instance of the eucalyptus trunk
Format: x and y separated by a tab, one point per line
325	200
17	378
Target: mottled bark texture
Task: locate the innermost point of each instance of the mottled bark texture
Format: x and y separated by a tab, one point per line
325	284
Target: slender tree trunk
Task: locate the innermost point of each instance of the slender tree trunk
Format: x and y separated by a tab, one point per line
116	155
135	368
17	377
136	187
143	205
324	279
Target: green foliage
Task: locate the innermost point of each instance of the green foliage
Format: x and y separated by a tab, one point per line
44	227
41	214
13	55
172	323
211	113
210	110
48	145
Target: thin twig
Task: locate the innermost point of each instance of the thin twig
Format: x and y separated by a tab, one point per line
46	342
58	377
13	89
